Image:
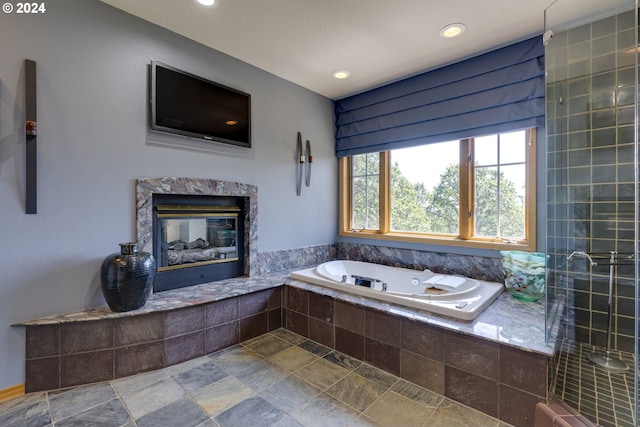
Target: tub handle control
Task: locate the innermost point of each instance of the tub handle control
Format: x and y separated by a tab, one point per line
366	282
344	278
384	287
461	305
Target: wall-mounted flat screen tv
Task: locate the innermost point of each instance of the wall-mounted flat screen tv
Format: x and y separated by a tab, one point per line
189	105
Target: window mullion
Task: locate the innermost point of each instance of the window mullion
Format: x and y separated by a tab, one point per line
385	192
530	188
466	189
345	194
499	190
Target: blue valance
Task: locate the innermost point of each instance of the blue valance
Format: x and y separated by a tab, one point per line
498	91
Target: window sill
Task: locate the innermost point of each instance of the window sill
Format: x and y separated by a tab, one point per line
440	240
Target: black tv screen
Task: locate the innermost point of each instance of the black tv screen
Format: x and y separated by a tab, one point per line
189	105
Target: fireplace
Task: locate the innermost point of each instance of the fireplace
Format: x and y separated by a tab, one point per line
195	239
198	230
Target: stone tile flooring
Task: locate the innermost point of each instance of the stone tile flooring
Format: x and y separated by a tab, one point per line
278	379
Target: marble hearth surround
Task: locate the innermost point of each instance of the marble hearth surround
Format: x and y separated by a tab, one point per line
147	187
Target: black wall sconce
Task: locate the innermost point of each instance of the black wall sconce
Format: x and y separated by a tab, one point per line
302	158
31	131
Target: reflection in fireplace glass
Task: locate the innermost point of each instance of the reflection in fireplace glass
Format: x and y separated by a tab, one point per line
196	239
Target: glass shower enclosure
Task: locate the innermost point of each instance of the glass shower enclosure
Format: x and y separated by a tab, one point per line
591	62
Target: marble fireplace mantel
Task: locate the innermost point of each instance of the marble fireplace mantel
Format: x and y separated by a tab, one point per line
147	187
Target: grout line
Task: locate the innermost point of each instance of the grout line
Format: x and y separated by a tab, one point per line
49	408
595	385
629	393
555	374
126	408
566	364
580	397
613	398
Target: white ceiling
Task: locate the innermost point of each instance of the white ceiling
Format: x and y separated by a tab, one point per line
377	41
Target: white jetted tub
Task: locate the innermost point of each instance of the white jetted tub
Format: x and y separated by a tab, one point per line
453	296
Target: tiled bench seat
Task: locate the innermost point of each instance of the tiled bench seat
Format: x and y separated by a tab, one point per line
174	326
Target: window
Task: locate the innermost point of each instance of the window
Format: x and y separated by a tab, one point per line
365	190
425	188
477	192
500	185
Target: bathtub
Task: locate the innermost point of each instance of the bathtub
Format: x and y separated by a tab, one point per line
454	296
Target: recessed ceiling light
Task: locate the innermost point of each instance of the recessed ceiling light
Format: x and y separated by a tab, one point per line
452	30
231	122
341	74
207	2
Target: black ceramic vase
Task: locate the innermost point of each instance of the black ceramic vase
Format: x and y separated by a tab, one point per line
127	278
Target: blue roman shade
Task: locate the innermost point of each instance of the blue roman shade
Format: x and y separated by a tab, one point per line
499	91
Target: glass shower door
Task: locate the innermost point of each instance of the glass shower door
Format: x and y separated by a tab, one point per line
591	65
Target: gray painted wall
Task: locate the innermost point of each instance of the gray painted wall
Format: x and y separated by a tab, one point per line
94	142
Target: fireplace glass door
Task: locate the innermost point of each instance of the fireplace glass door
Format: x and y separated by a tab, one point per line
197	235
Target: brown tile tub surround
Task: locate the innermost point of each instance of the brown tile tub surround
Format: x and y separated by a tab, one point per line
68	354
469	362
499	380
